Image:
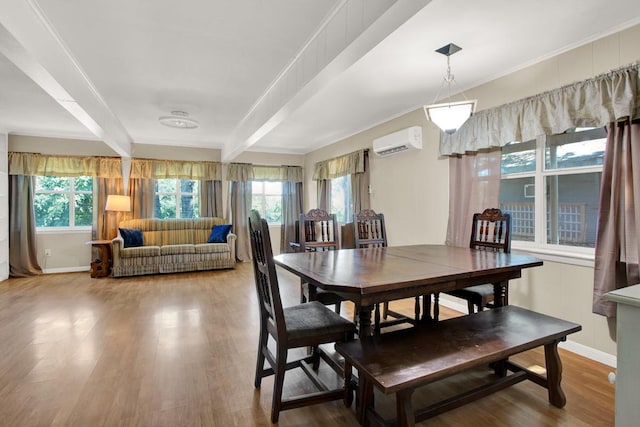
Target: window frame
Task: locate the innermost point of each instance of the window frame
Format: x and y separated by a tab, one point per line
575	255
71	228
178	195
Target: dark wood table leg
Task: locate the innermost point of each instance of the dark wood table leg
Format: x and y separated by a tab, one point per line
426	308
554	375
364	399
404	409
365	320
500	289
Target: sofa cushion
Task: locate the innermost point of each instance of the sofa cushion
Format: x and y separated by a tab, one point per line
132	237
140	251
211	248
219	233
177	249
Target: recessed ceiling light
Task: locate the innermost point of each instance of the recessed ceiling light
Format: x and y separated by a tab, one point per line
179	119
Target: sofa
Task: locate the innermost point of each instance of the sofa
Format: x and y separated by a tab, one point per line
170	246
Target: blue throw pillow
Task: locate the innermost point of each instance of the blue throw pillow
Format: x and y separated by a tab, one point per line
219	233
132	237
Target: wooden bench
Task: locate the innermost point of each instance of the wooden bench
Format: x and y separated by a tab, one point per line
399	362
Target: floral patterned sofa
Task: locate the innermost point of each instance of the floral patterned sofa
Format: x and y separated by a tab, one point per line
172	245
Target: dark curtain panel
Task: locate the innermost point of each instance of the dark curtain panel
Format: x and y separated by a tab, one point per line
211	198
240	204
360	187
23	251
142	192
618	239
324	194
291	209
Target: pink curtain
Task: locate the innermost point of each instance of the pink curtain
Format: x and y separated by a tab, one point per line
474	185
618	239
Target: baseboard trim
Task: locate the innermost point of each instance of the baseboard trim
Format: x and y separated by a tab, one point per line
66	270
572	346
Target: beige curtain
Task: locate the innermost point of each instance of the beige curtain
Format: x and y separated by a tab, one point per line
324	194
594	102
240	175
23	253
618	239
292	207
474	185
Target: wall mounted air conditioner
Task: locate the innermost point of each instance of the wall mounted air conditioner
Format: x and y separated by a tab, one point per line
398	142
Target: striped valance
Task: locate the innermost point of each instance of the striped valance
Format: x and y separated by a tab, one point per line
340	166
47	165
175	169
594	102
247	172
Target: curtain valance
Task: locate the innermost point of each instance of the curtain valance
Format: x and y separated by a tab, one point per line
277	173
340	166
594	102
240	172
46	165
175	169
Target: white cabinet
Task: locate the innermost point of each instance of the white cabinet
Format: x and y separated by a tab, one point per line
628	371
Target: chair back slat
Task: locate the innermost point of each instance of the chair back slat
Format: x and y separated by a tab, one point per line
369	229
266	279
490	230
318	231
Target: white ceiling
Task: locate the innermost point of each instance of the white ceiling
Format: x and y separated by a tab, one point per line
283	76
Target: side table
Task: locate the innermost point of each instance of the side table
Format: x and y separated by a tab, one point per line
101	267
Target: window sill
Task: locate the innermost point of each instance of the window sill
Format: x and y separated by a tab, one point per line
583	259
63	231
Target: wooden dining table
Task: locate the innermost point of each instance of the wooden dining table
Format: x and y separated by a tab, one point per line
375	275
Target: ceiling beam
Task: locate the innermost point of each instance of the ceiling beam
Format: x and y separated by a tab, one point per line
348	33
28	39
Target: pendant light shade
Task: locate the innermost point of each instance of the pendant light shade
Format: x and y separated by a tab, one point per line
449	116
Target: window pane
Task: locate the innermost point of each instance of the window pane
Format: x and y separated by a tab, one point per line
517	197
341	199
563	151
273	188
165	185
51	210
83	211
256	187
188	206
52	183
83	183
572	209
188	186
518	158
165	206
273	209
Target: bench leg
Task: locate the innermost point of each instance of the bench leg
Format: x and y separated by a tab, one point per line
348	391
364	399
554	375
404	409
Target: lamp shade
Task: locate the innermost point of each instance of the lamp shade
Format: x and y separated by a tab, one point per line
118	203
450	116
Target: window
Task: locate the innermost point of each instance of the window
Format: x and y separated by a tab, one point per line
177	198
554	180
266	198
342	199
63	202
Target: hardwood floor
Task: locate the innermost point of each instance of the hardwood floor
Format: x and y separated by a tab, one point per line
179	350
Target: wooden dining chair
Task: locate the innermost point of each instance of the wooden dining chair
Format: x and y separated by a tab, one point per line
490	231
318	231
303	325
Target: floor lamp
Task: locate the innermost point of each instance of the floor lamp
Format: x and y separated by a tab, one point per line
115	203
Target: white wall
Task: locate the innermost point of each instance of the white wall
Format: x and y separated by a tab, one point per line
411	189
4	208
